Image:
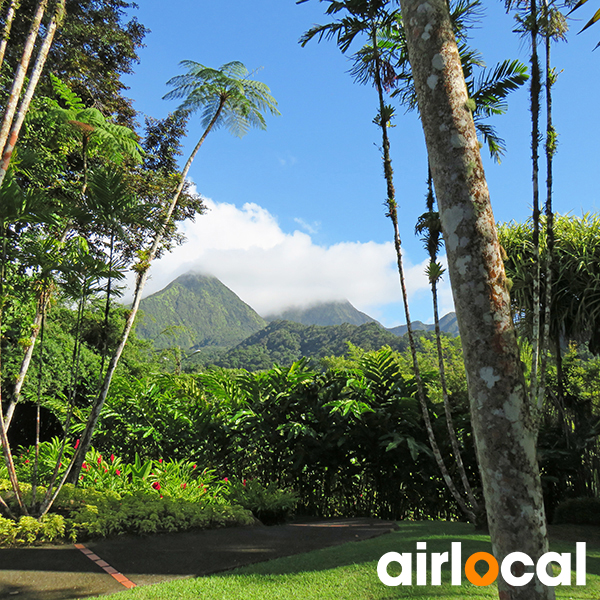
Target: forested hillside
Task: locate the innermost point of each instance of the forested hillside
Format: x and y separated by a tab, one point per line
195	311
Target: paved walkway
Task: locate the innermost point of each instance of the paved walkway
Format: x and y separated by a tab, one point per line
108	566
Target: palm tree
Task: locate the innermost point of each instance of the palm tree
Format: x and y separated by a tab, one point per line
229	98
430	227
379	61
530	26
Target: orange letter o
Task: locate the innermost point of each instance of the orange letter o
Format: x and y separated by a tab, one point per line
473	576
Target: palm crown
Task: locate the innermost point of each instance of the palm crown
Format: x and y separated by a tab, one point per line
226	95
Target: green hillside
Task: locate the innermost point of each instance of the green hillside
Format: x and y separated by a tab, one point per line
196	311
283	342
324	313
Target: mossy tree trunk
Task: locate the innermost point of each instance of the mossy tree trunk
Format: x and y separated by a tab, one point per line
503	419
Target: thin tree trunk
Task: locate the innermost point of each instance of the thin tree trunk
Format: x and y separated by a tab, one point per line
23	371
19	78
9	145
447	408
10	16
550	151
107	308
41	308
86	438
393	214
503	424
536	338
8	458
34	483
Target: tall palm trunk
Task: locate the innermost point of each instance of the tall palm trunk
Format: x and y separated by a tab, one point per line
19	78
535	88
10	16
36	459
107	306
9	144
429	223
503	424
550	151
393	214
86	438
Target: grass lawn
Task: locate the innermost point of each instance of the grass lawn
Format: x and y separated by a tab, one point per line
350	571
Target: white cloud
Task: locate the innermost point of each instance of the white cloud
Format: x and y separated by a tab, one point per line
270	269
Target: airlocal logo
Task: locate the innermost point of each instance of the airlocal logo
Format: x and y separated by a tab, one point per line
455	560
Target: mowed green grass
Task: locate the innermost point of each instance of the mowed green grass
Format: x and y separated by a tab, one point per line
349	572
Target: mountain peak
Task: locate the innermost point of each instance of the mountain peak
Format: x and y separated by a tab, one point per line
196	310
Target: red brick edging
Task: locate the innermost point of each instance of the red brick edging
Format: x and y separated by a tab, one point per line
106	567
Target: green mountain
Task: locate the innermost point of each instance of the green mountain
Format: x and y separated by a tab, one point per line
284	342
196	311
324	313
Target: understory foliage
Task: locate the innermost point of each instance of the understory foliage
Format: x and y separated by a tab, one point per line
348	440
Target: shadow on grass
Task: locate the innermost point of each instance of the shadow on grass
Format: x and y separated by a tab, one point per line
437	534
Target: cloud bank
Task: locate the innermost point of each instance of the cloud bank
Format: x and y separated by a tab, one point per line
272	270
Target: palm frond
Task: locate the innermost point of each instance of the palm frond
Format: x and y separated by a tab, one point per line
496	145
493	86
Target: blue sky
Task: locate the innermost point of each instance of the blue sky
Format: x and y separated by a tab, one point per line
297	211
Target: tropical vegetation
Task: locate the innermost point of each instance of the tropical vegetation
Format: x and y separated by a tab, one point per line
104	433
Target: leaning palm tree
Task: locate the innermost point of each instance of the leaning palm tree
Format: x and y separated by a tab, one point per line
228	97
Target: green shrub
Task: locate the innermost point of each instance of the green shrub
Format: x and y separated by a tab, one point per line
578	511
84	513
28	530
268	504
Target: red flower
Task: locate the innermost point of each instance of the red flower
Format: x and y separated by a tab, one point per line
77	444
112	458
26	461
160	460
156	485
105	470
118	472
194	466
99	459
244	482
81	477
225	479
184	485
85	465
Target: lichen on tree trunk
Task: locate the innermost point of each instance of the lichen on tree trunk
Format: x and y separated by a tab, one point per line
502	417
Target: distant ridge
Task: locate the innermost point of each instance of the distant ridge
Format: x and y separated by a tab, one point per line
324	313
448	324
196	311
